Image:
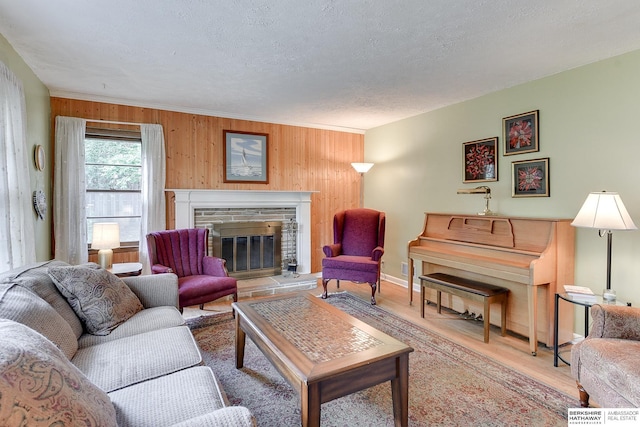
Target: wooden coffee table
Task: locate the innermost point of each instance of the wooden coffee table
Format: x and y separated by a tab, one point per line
322	352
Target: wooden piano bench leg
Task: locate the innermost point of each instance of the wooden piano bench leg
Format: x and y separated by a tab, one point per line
503	317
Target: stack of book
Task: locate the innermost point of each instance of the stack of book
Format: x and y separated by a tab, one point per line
580	293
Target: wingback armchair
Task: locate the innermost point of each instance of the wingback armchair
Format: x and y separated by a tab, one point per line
357	249
606	364
201	278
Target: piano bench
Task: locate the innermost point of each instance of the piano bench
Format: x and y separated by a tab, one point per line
470	289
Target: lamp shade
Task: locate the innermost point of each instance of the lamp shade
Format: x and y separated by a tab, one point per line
362	167
106	235
604	211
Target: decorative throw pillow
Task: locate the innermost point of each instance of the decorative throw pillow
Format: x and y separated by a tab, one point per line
40	387
100	299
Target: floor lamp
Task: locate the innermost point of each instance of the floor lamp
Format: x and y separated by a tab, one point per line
362	168
605	212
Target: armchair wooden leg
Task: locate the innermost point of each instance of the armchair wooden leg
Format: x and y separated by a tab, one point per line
373	293
324	287
235	299
584	396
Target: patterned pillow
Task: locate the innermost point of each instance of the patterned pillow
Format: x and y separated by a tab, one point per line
40	387
100	299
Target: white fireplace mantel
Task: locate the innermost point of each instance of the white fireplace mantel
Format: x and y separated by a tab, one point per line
187	201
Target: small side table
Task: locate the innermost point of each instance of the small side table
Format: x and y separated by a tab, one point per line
577	301
127	269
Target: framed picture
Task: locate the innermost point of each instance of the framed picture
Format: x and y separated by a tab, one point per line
530	178
520	133
480	160
246	157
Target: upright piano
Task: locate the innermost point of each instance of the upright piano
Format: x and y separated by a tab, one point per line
532	257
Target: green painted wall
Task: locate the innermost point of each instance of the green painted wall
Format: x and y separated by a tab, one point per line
588	129
38	133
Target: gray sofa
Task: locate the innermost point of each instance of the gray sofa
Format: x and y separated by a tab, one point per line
145	371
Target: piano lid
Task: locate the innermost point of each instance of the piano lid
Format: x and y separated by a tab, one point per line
508	233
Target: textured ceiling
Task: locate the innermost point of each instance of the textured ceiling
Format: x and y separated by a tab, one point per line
341	64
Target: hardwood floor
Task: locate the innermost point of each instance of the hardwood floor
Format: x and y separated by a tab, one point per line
511	350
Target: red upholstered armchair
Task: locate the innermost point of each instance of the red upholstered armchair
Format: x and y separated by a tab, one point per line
201	278
357	249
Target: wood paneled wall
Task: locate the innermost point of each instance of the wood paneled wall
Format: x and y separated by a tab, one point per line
300	159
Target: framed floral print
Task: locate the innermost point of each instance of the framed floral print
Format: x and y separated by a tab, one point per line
530	178
245	157
520	133
480	160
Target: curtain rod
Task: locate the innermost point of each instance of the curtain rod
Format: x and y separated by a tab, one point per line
113	122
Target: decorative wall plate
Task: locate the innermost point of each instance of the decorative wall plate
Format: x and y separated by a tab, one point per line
39	157
40	203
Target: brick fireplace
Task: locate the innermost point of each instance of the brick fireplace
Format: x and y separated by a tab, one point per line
204	208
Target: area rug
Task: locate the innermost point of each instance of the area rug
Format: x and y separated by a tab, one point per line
448	383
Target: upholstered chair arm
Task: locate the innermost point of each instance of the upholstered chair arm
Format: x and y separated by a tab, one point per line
213	266
377	253
332	250
612	321
159	269
232	416
155	290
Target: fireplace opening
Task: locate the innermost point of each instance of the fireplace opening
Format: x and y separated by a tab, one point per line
251	249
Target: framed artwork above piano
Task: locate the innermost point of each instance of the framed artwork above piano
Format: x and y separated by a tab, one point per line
480	160
532	257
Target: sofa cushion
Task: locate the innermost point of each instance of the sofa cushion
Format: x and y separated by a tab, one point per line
169	399
23	306
229	416
35	278
40	387
120	363
99	298
149	319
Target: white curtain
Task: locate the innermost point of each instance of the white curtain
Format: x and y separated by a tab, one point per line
153	179
17	236
70	214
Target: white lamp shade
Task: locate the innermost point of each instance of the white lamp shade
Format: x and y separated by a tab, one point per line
362	167
106	235
604	211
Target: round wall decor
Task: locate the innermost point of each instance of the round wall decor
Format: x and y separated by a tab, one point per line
40	203
39	157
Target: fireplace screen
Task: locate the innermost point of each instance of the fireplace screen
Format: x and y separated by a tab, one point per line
251	249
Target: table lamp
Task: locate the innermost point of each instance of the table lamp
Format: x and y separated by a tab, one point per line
605	212
106	236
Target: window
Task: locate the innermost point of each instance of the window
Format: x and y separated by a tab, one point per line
113	173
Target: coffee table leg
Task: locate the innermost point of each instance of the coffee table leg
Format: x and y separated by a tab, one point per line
240	339
310	405
400	392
